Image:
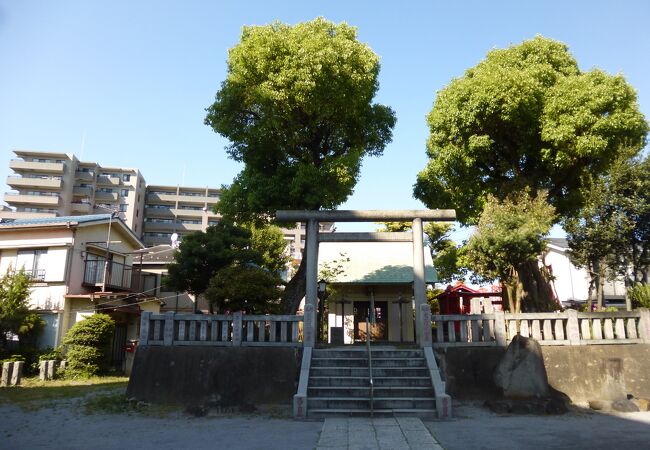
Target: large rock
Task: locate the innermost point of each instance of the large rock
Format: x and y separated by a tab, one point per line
521	372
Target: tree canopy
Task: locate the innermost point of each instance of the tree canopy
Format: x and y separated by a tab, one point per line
297	108
526	117
508	239
242	287
202	254
610	236
234	266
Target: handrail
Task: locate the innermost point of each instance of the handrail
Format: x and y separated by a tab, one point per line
372	384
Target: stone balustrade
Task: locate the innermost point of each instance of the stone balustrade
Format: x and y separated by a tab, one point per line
562	328
221	329
12	373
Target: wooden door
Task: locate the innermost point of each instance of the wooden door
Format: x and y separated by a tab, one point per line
378	330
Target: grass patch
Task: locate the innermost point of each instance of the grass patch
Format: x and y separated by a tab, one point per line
35	394
118	403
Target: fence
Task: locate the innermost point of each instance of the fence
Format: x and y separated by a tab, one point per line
118	275
566	328
220	330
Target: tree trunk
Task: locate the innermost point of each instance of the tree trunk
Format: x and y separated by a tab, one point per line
536	290
295	289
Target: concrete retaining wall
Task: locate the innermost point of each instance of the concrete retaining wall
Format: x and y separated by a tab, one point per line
583	373
217	376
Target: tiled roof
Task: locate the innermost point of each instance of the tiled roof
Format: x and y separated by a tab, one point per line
55	220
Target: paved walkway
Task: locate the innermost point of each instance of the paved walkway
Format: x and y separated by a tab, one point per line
374	434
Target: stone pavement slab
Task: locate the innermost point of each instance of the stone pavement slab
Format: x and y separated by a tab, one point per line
403	433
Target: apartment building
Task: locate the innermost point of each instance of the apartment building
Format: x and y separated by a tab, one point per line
177	209
47	184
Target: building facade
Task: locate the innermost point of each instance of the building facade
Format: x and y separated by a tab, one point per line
177	209
75	273
46	185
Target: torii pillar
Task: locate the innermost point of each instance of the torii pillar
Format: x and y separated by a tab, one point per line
312	218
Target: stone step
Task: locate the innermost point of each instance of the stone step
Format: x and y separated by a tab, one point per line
404	402
425	413
336	362
364	403
361	352
338	403
363	362
361	381
360	391
363	371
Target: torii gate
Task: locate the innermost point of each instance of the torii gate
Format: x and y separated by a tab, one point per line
312	239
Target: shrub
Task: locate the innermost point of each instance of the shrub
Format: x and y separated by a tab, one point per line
639	295
87	345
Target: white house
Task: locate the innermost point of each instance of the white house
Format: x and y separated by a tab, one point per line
67	260
571	284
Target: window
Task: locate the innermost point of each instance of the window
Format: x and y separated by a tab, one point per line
33	262
126	177
124	192
123	207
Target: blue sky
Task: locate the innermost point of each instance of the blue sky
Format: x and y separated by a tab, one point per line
125	83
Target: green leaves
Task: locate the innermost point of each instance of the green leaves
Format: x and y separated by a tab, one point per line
526	117
509	233
201	254
297	107
241	287
612	230
88	346
14	303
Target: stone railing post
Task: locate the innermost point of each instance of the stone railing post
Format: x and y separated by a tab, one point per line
644	325
42	371
500	328
425	316
145	320
236	328
573	327
168	333
47	370
17	373
11	373
6	373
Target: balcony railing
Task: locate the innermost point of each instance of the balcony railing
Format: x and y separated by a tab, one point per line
36	274
118	275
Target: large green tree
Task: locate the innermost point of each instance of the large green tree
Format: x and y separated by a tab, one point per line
526	117
610	236
297	108
507	240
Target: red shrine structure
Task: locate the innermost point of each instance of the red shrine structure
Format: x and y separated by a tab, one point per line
458	300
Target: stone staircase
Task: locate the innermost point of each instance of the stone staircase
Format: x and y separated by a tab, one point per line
339	383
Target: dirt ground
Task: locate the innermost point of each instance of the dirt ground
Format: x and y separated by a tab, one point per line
64	424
